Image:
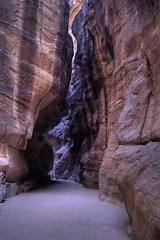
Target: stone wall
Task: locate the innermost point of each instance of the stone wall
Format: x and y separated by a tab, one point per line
130	168
86	134
35	56
114	106
110	135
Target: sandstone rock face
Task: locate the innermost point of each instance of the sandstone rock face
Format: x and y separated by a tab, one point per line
138	177
86	135
114	106
130	168
35	55
110	134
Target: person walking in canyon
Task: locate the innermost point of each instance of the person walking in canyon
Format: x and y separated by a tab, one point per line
2	186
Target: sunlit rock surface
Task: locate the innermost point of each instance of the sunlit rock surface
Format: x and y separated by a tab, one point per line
35	55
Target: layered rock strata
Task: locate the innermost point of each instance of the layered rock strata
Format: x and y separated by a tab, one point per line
35	55
111	135
86	134
114	106
130	168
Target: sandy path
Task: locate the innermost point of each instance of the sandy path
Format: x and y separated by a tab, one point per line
63	210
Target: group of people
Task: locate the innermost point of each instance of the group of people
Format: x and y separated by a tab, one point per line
2	186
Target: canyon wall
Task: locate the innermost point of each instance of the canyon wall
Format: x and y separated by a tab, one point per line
107	108
131	166
113	131
85	137
35	56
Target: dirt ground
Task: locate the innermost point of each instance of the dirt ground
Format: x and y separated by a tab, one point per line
63	210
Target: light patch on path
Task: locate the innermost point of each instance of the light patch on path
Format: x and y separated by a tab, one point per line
63	210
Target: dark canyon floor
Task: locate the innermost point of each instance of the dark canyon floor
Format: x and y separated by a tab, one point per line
63	210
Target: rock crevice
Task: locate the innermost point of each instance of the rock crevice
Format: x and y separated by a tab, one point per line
97	119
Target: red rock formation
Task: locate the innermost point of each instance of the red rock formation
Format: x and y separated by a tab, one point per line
133	110
35	55
87	99
112	134
133	120
114	102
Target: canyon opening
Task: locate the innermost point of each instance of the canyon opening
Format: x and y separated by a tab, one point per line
80	99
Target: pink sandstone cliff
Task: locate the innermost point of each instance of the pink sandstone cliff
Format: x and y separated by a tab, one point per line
109	136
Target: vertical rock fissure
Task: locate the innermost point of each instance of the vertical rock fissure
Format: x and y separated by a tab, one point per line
145	116
151	86
107	106
106	114
87	97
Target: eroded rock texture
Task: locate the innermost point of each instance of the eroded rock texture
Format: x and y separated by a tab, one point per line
137	175
114	106
110	133
133	115
35	55
86	134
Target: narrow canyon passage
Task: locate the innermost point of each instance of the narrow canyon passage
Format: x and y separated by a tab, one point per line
62	211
